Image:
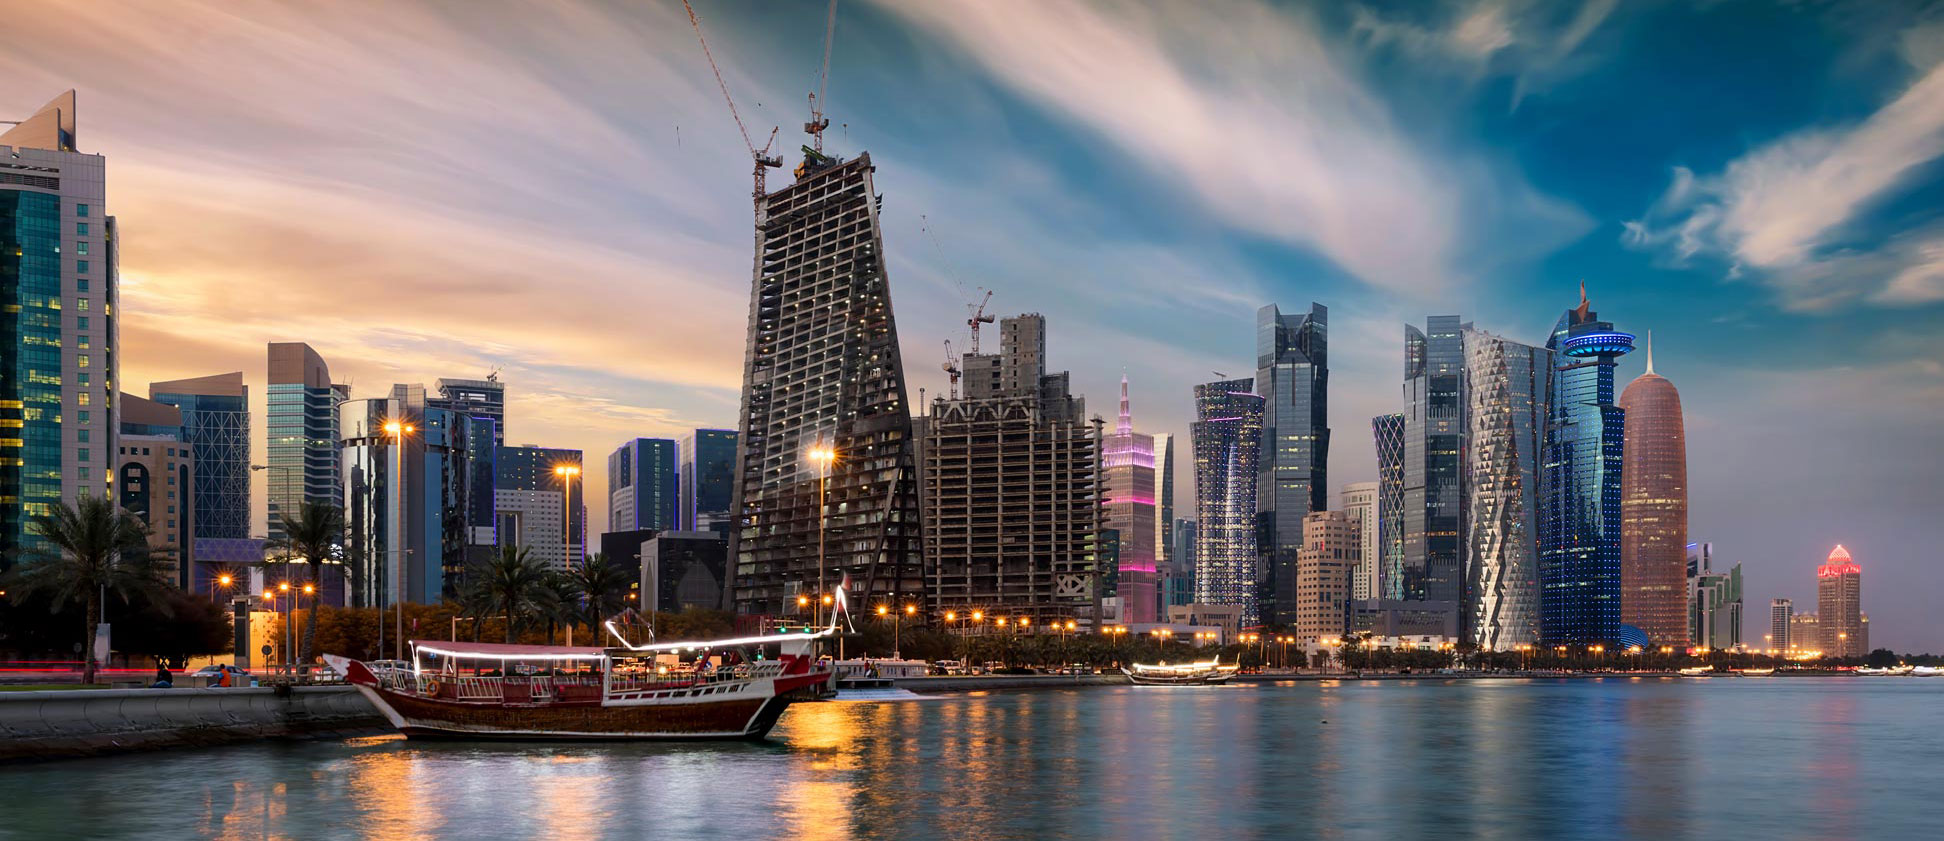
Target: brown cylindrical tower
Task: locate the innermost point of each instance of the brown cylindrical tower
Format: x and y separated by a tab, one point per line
1653	510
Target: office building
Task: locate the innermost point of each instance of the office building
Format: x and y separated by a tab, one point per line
538	497
482	471
1012	501
1579	509
59	352
405	487
1293	377
1839	606
1653	509
1360	504
1178	574
1806	634
685	570
822	373
623	550
643	488
1781	616
475	399
1227	437
1714	600
216	421
1508	394
152	480
302	425
1128	493
1332	549
1388	433
707	473
1164	498
1434	440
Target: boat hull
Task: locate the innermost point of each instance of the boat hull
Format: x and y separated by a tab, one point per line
1196	680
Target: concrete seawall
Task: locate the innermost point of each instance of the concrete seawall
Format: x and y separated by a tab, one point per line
968	683
51	725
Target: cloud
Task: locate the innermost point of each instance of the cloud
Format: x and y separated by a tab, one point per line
1538	44
1789	211
1248	112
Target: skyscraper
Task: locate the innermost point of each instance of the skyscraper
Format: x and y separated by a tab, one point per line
153	477
822	373
1839	605
1360	504
707	472
216	419
1127	500
475	398
1507	387
1228	444
302	426
1178	583
1332	547
1781	618
1653	509
643	487
405	487
1434	440
1388	433
1293	377
1715	608
528	491
59	351
1579	509
1164	498
994	464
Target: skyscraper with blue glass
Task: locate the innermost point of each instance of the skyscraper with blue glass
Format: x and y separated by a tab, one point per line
642	487
216	423
1434	445
1579	511
706	470
1227	436
58	291
1293	376
302	426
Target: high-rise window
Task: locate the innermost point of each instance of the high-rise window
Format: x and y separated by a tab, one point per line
81	229
81	210
80	265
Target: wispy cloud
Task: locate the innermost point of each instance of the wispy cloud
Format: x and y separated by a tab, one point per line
1538	44
1786	213
1245	109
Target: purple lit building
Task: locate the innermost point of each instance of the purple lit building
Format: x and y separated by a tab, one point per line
1128	494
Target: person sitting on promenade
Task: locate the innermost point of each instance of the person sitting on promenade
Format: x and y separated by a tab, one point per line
163	680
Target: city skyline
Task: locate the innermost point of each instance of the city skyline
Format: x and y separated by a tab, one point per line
1850	366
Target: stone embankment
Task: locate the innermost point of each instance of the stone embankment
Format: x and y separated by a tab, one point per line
966	683
51	725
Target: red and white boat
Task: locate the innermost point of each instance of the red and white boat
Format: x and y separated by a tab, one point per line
715	689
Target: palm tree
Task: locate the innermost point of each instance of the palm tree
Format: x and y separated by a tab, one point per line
559	602
314	535
601	586
512	584
85	551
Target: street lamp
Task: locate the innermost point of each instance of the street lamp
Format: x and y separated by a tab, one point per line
567	474
823	457
397	430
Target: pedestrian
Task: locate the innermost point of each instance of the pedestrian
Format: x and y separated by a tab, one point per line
163	680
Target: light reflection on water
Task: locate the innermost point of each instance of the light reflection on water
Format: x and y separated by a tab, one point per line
1774	758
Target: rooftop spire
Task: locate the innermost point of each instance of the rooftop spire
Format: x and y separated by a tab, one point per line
1650	351
1126	423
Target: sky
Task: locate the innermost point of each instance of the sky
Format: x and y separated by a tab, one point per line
557	191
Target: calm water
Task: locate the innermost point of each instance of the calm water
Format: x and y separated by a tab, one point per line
1726	758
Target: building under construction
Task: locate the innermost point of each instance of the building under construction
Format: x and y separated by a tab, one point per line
1012	505
822	373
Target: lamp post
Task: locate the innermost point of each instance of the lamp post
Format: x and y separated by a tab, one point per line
567	473
397	430
224	580
271	597
822	457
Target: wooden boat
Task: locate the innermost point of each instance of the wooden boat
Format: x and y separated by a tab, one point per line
1757	672
1207	673
717	689
1697	671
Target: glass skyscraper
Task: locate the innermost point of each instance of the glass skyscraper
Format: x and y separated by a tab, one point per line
404	498
528	503
1579	509
59	359
216	421
1293	376
642	486
1388	433
1434	443
302	427
1227	438
1508	387
707	473
1127	500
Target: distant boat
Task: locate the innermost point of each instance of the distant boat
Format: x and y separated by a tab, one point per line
1757	672
1926	671
1697	671
1206	673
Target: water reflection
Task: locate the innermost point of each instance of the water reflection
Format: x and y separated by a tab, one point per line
1776	759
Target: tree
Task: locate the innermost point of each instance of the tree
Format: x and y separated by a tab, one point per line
315	535
85	551
601	587
173	627
512	584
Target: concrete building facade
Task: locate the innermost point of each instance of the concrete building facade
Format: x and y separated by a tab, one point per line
1332	549
1839	606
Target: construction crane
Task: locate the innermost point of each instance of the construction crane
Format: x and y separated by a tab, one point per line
952	368
976	315
818	122
764	160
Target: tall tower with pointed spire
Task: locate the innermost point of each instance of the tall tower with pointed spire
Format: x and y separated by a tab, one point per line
1653	509
59	355
1579	520
1128	497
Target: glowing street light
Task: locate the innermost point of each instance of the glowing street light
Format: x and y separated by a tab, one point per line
823	457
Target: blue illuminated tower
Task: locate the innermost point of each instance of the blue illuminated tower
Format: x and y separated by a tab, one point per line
1579	522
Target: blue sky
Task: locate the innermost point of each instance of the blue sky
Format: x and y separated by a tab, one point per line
435	189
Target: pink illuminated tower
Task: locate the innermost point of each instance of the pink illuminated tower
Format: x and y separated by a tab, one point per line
1128	461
